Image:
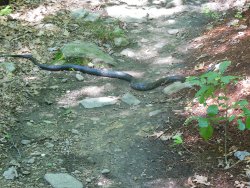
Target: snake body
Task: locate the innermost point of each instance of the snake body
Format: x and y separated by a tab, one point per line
134	83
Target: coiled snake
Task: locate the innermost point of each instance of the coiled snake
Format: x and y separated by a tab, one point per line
134	83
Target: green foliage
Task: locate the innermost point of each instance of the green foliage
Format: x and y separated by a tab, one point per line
238	15
217	113
210	13
177	139
104	31
6	11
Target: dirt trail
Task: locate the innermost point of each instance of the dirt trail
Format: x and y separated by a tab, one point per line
65	137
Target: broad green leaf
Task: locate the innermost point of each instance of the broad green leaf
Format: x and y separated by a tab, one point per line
212	78
190	119
223	66
6	11
202	90
203	122
177	139
246	111
241	126
227	79
241	103
248	122
212	110
231	118
206	132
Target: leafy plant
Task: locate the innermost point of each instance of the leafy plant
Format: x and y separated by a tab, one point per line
217	112
104	31
238	15
210	13
6	11
177	139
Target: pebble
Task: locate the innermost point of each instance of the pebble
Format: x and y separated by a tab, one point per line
62	180
105	171
79	77
154	113
10	174
25	142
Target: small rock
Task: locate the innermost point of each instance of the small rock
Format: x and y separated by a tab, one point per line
74	131
88	180
234	22
25	172
9	67
10	174
130	99
173	31
79	13
79	77
62	180
241	154
175	87
25	142
64	80
49	145
128	52
120	42
31	160
92	17
105	171
242	27
98	102
154	113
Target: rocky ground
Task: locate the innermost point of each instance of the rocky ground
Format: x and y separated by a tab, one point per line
54	135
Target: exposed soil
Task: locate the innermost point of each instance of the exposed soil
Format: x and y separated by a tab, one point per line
65	137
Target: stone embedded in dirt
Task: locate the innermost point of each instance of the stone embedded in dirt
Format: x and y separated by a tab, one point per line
130	99
62	180
9	67
79	13
173	31
120	42
74	131
154	113
105	171
128	53
31	160
233	22
98	102
83	49
241	154
10	174
79	77
175	87
92	17
25	142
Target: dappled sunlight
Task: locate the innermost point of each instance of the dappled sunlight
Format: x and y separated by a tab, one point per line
168	183
71	98
104	182
167	60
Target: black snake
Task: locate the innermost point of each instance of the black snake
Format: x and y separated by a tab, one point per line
134	83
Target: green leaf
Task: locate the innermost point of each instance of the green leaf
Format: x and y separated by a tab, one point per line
190	119
203	122
241	126
177	139
206	132
212	78
246	111
241	103
231	118
248	122
223	66
6	11
228	79
212	110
